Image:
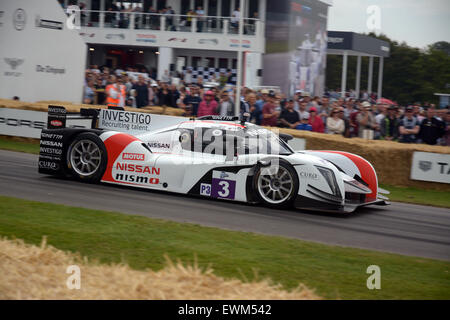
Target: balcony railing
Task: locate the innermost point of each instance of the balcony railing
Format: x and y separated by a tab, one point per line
167	22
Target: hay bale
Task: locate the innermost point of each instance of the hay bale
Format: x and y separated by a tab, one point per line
31	272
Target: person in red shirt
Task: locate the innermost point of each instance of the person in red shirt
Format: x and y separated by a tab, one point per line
315	121
270	112
208	106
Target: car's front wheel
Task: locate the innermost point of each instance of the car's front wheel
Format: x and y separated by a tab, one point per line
86	157
276	184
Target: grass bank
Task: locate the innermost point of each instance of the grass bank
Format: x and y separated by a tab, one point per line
418	196
19	144
334	272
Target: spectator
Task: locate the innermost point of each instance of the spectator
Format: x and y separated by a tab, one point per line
408	127
223	79
389	125
169	19
208	106
255	111
141	91
192	100
349	108
189	14
270	112
382	112
431	128
302	109
100	91
304	125
131	101
174	96
324	109
155	89
164	96
165	77
366	120
315	121
199	81
188	77
335	125
200	17
113	92
445	141
151	19
235	19
289	118
89	92
354	126
127	82
226	105
346	132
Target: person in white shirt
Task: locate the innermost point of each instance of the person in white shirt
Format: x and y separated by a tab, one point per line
335	125
165	77
200	18
235	18
188	77
302	109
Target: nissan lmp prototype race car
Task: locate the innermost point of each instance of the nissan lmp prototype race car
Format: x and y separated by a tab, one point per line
214	157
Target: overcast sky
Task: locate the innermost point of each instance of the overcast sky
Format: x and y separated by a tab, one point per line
417	22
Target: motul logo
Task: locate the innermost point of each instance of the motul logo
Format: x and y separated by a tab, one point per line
133	156
56	123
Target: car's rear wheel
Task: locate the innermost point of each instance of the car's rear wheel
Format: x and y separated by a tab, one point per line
86	157
276	184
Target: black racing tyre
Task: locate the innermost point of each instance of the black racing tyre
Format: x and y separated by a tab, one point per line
87	157
277	184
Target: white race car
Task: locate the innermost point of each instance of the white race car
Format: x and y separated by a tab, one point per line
214	157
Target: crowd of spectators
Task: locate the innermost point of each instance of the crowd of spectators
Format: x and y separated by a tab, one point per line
329	114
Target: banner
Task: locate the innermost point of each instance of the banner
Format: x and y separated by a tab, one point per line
434	167
135	122
28	124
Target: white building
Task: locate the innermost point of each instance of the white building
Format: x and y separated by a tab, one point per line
275	34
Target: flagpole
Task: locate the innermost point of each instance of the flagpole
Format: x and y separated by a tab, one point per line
237	104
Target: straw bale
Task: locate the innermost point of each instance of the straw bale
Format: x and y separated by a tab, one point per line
32	272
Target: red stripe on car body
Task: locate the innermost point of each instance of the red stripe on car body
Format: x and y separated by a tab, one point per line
115	145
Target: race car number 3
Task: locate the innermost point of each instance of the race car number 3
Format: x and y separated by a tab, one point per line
224	189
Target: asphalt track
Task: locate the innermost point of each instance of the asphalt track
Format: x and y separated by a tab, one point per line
399	228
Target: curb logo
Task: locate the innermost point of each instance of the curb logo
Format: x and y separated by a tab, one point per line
19	19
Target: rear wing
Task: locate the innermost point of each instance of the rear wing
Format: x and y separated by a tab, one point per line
57	117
